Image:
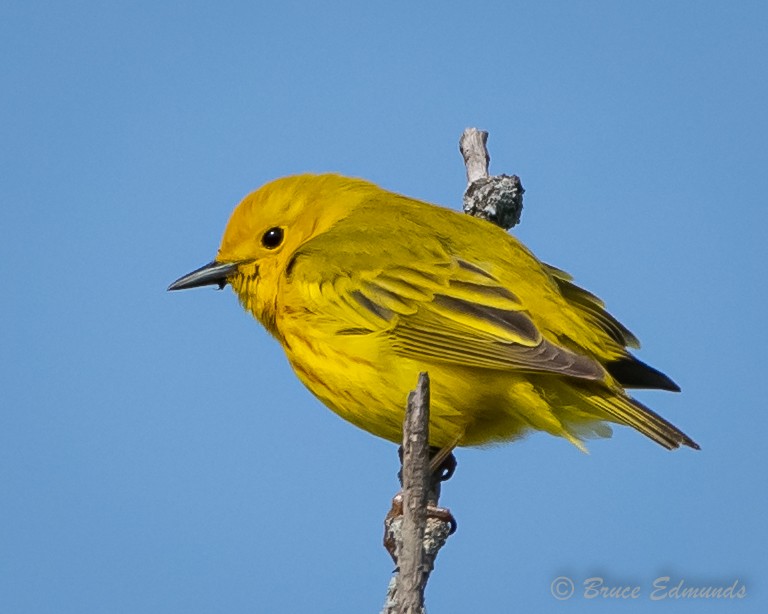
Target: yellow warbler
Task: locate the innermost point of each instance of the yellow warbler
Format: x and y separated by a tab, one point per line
365	288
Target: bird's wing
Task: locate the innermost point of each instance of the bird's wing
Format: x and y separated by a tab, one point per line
433	307
471	319
592	308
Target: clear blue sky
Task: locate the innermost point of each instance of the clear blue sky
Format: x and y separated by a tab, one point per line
156	452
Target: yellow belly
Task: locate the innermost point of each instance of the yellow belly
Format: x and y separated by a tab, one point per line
364	382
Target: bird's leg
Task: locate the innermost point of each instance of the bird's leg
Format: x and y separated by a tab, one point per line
435	512
442	462
442	465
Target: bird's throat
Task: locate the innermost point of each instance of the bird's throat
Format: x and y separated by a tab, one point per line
252	296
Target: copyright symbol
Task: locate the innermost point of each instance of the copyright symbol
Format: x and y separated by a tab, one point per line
562	588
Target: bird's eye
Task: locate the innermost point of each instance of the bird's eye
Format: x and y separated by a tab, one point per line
272	238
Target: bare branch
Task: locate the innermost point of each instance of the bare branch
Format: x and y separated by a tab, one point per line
410	557
498	199
415	490
406	522
415	528
472	146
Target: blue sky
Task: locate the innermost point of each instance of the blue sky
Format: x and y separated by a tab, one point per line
156	452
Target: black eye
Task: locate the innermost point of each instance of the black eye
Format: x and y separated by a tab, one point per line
272	238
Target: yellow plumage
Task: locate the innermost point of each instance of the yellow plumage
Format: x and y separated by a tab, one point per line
364	289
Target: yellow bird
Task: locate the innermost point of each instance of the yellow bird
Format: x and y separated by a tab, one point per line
365	288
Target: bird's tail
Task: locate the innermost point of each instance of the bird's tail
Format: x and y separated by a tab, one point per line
629	411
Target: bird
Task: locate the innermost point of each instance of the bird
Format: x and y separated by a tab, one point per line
365	288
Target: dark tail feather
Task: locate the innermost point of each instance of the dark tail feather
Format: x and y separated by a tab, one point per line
633	413
633	373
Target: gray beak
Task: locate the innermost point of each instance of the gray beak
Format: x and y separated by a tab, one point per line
212	274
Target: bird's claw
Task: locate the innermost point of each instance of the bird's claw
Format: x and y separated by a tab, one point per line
441	514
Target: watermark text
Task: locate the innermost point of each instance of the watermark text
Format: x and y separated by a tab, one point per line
662	588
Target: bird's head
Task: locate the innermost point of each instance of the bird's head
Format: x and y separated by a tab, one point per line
267	228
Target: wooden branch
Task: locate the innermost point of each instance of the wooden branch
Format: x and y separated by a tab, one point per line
498	199
415	529
472	146
408	596
413	575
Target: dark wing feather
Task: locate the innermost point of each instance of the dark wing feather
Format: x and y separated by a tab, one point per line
467	318
629	371
592	308
633	373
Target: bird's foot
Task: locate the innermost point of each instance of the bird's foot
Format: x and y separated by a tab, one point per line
435	512
442	463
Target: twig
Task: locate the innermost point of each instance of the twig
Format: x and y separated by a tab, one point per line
415	489
498	199
472	146
415	529
412	573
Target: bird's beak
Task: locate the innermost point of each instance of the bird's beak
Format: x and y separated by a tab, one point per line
212	274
